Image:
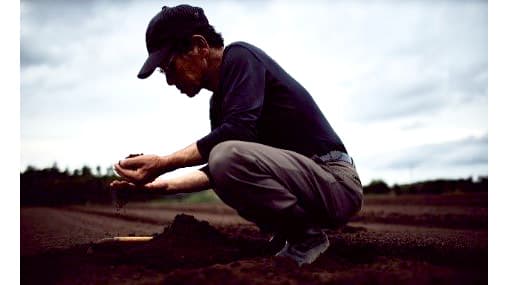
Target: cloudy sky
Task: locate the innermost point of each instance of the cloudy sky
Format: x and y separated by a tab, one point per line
403	83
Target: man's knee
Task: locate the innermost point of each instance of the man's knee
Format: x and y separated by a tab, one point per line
225	158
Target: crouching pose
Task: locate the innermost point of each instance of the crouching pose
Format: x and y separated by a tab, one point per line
271	153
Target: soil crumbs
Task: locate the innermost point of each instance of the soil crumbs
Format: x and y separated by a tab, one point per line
189	251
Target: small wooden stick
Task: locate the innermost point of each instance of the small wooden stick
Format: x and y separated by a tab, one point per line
124	239
118	240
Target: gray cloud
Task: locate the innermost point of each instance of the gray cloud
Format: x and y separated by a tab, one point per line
51	31
32	55
464	152
386	99
46	29
412	100
431	57
470	83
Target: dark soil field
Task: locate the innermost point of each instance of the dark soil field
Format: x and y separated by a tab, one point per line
413	239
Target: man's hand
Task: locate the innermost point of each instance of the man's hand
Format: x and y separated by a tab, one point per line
122	185
122	191
140	169
194	181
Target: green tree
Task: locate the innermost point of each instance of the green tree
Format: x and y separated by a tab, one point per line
86	171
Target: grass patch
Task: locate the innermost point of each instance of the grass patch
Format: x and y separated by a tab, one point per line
207	196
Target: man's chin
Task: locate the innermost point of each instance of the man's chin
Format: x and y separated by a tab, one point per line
192	93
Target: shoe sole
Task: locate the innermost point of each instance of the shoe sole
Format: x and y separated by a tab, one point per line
299	261
314	257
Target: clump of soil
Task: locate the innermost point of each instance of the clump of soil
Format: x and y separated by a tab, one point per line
185	229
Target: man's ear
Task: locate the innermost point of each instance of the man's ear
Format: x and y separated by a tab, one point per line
200	44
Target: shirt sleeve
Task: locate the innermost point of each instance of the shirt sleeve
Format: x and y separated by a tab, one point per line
242	83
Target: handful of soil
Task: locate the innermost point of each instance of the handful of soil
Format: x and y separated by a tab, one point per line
120	197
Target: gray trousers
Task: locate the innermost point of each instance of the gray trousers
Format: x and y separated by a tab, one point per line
283	190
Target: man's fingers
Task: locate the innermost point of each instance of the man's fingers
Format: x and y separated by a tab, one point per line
131	162
125	173
119	185
157	185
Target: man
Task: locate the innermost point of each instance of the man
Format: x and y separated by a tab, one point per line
271	154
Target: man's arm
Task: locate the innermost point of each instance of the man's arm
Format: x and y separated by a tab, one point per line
194	181
188	156
143	169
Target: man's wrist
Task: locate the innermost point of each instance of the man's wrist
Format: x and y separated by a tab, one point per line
164	164
188	156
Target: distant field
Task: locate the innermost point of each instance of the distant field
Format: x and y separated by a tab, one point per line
409	239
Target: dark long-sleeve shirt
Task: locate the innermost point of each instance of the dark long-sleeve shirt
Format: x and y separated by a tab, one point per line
258	101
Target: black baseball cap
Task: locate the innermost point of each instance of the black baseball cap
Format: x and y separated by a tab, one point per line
164	31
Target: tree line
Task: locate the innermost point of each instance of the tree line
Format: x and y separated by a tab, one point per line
438	186
53	187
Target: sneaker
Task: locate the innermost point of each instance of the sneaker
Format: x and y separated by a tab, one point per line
307	248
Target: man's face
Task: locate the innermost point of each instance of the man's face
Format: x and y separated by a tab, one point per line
185	71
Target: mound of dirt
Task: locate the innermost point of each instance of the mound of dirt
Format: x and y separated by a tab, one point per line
184	243
185	229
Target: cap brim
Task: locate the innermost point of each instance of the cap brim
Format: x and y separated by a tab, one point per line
153	61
